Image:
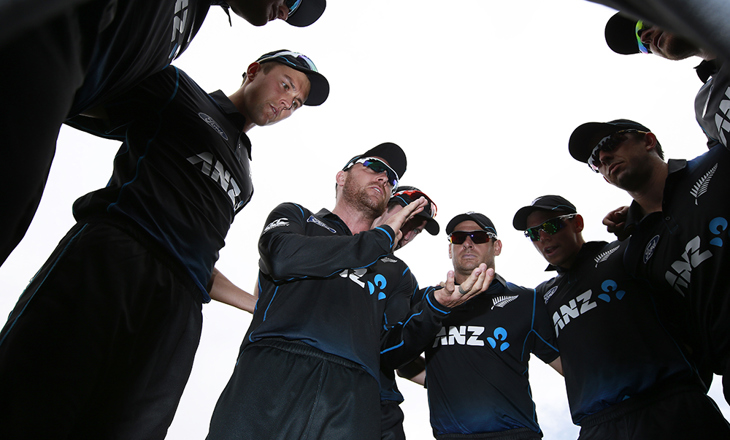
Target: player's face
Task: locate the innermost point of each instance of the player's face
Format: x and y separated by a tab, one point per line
410	229
667	45
628	165
367	189
468	256
259	12
273	96
560	248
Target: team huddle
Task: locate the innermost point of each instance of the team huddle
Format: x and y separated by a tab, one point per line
336	314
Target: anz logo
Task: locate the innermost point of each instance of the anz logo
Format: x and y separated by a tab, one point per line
179	21
721	118
584	303
213	168
377	285
469	335
680	272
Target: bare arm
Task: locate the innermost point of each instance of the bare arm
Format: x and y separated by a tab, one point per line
557	365
223	290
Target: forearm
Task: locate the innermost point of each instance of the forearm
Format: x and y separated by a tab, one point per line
223	290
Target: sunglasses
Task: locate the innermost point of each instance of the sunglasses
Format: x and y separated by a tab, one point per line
293	5
430	209
639	29
551	227
378	166
608	143
477	237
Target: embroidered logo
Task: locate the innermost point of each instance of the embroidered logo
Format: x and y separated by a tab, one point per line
603	256
276	223
701	185
649	250
318	222
388	260
550	293
501	301
214	125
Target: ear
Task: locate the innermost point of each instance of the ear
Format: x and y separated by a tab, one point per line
650	140
497	247
451	254
253	70
340	178
578	221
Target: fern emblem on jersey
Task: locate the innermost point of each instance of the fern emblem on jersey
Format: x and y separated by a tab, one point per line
603	256
702	184
501	301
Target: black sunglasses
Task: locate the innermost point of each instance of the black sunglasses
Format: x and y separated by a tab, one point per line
551	227
477	237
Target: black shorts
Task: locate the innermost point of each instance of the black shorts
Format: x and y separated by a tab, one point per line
290	390
391	421
510	434
100	344
673	411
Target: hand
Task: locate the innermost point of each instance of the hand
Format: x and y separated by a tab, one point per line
451	295
615	222
397	220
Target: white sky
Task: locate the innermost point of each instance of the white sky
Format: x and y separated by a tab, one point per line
481	94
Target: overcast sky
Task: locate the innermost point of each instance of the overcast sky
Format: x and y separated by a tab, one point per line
482	95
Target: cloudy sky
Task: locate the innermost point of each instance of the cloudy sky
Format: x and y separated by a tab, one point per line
482	95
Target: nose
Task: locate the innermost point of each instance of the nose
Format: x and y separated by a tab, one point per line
604	157
544	235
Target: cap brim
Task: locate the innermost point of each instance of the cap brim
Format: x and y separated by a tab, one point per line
620	33
319	88
307	13
432	226
585	138
519	221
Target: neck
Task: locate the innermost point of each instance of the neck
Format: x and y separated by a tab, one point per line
651	194
355	219
236	99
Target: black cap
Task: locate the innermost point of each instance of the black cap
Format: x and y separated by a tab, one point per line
620	34
585	138
544	203
320	87
480	219
307	13
392	153
407	194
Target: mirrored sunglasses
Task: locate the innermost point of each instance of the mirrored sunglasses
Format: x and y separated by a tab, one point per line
378	166
640	27
551	227
413	195
477	237
608	143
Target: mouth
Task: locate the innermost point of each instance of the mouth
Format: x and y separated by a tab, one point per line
550	250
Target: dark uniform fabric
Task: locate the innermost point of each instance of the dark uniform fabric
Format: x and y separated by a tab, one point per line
712	104
477	366
79	58
104	337
681	250
325	287
618	357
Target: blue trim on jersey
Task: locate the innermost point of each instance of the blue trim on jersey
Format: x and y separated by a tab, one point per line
387	233
428	299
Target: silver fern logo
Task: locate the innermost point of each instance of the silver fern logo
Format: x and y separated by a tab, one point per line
501	301
603	256
702	184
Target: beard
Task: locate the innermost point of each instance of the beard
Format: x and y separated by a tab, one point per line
679	48
364	202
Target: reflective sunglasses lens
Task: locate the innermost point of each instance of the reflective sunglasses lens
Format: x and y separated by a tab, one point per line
293	5
640	27
379	167
551	227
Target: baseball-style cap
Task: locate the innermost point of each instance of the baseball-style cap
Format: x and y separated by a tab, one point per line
320	87
544	203
585	138
390	152
305	12
480	219
407	194
620	34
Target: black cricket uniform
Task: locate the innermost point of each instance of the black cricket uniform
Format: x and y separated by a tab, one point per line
477	366
80	58
323	310
620	363
102	341
681	250
712	103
